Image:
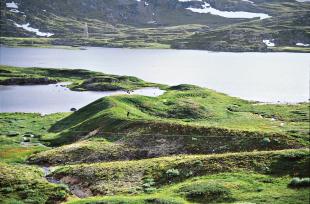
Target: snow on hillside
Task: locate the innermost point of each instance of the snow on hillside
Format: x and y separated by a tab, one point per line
206	8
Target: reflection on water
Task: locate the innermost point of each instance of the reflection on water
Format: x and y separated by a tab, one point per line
266	77
54	98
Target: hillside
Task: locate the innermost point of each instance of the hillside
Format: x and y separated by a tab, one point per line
189	145
283	32
237	24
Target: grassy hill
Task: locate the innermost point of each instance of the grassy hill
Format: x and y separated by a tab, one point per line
184	110
190	121
189	145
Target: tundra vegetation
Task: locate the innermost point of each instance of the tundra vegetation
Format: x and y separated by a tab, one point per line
189	145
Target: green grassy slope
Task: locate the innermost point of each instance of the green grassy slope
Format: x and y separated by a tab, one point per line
185	120
217	148
184	110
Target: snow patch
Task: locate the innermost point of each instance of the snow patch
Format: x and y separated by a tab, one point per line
302	45
14	11
145	3
251	2
12	5
33	30
188	0
206	8
269	43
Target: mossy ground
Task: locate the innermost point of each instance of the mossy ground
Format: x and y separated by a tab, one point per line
258	177
26	184
93	150
130	176
241	187
16	127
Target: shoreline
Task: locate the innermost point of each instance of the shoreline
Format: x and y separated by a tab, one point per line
152	46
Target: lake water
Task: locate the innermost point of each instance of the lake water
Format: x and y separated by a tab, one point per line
54	98
266	77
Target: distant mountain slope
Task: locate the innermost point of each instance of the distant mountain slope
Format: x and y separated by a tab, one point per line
131	19
282	32
106	14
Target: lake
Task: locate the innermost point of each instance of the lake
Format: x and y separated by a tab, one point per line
53	98
265	77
